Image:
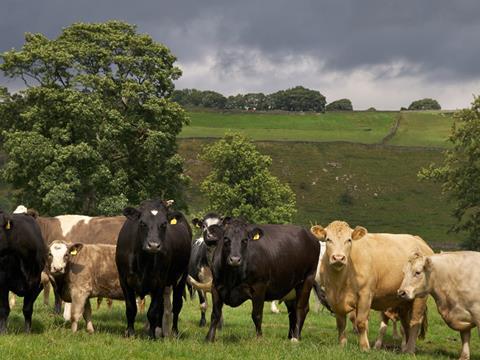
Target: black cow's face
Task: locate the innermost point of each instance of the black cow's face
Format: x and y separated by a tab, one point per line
152	226
211	230
236	238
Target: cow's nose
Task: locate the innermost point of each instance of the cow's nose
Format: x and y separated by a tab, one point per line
152	245
234	260
401	293
340	258
56	269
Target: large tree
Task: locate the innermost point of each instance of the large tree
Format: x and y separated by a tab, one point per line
460	173
95	128
425	104
340	105
240	183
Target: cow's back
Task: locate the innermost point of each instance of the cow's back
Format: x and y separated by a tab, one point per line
378	261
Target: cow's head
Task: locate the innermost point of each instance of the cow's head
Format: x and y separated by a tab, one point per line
152	217
416	273
338	237
59	255
237	235
211	228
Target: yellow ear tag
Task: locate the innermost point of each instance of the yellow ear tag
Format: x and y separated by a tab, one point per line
173	221
256	236
8	225
196	225
73	252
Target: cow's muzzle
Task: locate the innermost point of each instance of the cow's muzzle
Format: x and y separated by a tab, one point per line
153	247
338	261
405	294
234	261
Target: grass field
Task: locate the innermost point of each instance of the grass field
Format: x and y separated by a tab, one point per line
373	186
361	127
52	338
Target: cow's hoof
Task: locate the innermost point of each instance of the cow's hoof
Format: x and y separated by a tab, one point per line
378	345
129	333
294	340
202	323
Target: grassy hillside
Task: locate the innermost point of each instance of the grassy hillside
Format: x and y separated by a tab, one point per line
423	129
373	186
361	127
52	339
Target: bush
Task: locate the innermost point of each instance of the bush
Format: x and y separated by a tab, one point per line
425	104
340	105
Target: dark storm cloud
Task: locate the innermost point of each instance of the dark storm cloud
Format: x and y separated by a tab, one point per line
434	39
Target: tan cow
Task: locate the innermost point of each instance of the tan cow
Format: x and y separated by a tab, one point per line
452	278
80	272
362	271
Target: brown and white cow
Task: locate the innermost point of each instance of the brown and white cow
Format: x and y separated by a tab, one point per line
83	271
362	271
452	278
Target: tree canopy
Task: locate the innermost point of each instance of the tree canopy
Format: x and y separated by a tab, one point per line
95	128
340	105
425	104
240	183
460	173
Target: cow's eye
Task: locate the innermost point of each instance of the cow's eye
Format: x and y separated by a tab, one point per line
348	241
417	273
226	241
50	255
328	240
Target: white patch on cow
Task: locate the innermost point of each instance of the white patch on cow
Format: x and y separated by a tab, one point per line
67	222
154	212
20	210
58	251
199	241
67	311
211	221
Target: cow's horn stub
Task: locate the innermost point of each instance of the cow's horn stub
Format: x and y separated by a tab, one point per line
169	202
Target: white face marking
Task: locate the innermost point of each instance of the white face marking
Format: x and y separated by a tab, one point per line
154	212
58	251
211	221
67	222
20	210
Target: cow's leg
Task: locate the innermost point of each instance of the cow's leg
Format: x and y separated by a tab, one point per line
4	308
13	300
302	296
178	302
341	326
130	308
87	315
58	302
99	302
78	307
395	334
109	304
419	306
202	297
465	335
67	311
404	321
361	321
258	299
382	331
46	293
292	316
167	313
155	312
217	304
28	302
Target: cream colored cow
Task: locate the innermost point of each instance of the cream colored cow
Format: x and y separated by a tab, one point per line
452	278
362	271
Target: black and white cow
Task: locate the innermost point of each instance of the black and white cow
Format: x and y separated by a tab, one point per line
263	263
152	255
23	255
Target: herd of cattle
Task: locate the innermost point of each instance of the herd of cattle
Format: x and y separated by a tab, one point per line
149	251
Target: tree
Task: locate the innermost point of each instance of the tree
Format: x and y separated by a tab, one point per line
95	128
425	104
212	99
240	183
340	105
297	99
460	173
235	102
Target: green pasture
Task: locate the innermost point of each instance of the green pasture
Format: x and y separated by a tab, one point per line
373	186
361	127
52	338
423	129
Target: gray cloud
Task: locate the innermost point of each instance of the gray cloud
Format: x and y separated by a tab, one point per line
249	45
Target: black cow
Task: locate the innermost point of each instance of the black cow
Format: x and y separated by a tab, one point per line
152	254
264	263
199	267
23	255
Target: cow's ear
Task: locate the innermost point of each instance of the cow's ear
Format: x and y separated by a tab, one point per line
255	234
319	232
226	220
174	217
33	213
428	264
75	248
359	232
197	223
131	213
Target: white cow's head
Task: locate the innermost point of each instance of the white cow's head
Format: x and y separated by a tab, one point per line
415	279
60	254
338	237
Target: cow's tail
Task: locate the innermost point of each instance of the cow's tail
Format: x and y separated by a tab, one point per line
207	286
424	326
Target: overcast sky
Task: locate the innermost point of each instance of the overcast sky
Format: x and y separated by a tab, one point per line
380	53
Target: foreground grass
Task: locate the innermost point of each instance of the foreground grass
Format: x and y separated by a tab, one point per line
52	338
373	186
361	127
